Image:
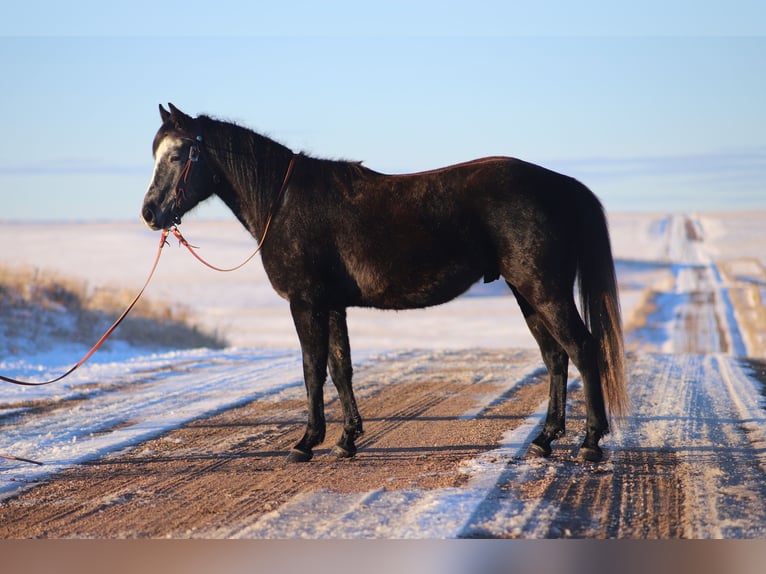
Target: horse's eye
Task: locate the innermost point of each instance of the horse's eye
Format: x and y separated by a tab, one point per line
175	158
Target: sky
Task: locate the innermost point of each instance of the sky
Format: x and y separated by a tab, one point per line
656	106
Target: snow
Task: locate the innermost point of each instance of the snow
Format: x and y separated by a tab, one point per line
109	406
126	395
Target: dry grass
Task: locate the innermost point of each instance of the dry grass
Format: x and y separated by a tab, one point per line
747	286
39	309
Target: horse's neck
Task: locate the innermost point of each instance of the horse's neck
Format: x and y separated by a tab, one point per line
253	175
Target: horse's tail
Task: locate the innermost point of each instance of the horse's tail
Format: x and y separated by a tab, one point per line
600	303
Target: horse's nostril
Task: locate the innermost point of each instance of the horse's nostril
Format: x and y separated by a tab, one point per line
147	213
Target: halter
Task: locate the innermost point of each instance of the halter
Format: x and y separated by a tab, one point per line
183	177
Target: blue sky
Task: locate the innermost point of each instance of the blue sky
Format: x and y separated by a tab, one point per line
657	106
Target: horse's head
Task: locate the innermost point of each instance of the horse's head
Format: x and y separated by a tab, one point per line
182	176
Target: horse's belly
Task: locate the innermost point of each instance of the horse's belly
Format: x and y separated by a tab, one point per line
410	289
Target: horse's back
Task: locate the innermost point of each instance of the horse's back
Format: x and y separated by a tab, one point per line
424	238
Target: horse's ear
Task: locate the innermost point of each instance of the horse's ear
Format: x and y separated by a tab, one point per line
164	114
180	119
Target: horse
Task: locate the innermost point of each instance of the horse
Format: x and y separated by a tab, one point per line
335	234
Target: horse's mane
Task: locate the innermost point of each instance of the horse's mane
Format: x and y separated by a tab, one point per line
231	143
255	165
252	163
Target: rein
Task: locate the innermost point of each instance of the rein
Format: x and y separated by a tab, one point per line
109	331
104	337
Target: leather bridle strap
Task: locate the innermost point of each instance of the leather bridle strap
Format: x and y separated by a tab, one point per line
183	177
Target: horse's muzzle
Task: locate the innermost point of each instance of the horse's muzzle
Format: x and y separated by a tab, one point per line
157	218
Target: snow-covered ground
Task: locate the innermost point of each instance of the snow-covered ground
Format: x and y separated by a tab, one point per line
111	403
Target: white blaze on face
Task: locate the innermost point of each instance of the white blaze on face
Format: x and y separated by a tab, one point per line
167	147
160	195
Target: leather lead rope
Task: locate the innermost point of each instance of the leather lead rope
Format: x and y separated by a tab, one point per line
104	337
109	331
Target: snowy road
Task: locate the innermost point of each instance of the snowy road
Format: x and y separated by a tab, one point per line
442	458
191	444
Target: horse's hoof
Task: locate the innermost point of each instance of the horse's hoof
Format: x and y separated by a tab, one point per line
296	455
340	452
591	453
537	451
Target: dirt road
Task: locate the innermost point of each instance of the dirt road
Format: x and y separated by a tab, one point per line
442	456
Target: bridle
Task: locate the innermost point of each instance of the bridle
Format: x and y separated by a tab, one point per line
183	177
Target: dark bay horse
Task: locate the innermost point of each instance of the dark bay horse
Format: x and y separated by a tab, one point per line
342	235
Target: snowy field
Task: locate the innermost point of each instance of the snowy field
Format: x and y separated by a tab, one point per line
244	308
655	253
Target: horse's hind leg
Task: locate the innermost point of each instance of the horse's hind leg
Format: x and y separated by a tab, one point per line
341	372
566	326
557	362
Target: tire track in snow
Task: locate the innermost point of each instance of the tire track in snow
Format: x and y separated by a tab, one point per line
407	513
447	374
681	465
698	408
695	314
128	408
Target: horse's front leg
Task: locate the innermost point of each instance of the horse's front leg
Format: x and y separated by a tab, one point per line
341	373
311	324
